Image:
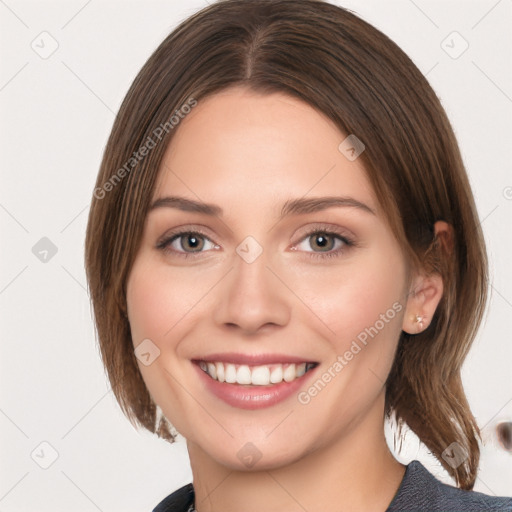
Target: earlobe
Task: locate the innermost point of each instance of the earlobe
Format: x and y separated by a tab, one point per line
422	303
426	290
420	320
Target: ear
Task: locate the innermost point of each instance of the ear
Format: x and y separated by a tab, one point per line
426	290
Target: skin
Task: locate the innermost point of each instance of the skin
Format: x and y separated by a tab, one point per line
249	153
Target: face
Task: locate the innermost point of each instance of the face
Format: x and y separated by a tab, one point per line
289	267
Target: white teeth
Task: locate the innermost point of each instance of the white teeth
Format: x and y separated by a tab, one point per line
243	375
263	375
276	375
220	372
229	373
212	370
289	373
301	369
260	376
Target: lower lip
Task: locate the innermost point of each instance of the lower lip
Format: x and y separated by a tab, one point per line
252	397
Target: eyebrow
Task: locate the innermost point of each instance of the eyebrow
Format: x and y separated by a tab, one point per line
291	207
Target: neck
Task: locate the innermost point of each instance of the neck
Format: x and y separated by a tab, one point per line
357	472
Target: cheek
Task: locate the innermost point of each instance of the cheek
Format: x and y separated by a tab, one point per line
362	303
158	299
157	302
146	309
360	299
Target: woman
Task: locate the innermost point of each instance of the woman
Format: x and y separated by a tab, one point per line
282	249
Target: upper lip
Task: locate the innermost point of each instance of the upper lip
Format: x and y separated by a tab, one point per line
252	359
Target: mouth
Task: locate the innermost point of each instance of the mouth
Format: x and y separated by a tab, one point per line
255	375
253	381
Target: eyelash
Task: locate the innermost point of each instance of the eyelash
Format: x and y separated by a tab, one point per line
347	243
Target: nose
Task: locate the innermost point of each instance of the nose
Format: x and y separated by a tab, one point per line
251	299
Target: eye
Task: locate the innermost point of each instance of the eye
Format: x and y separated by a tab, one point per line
321	243
186	242
324	243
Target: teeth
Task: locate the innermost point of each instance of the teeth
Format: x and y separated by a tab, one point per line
212	370
289	373
243	375
277	375
263	375
220	372
260	376
230	373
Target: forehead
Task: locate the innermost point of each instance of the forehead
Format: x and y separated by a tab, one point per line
252	149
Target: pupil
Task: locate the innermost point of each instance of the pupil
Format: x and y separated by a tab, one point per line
322	242
193	242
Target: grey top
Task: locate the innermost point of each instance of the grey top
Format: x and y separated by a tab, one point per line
419	491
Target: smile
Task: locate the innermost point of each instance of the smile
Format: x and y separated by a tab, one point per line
261	375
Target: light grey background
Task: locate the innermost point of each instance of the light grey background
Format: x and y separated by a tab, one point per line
56	114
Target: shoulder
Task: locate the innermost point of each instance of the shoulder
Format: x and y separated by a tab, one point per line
179	501
421	491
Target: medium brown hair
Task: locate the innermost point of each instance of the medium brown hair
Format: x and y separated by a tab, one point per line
362	81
